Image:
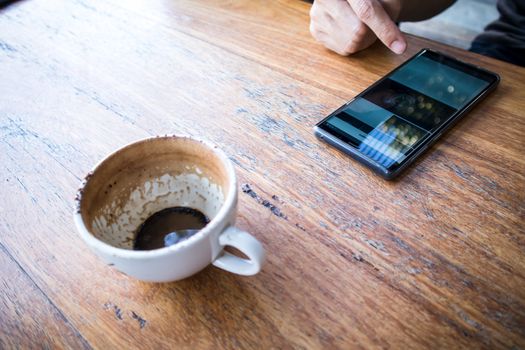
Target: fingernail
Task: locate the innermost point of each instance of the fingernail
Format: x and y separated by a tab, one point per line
398	47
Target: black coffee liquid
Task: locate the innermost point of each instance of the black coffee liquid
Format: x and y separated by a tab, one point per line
169	226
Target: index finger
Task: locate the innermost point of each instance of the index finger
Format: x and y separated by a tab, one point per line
372	13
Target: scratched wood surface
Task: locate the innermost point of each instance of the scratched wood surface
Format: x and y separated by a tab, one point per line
433	260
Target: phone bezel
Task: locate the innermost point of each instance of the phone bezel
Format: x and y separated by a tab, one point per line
349	148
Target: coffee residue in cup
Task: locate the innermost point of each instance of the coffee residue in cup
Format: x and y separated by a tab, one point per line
169	226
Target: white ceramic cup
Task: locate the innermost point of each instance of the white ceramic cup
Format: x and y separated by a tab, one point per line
147	176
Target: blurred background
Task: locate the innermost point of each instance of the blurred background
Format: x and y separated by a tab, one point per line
458	25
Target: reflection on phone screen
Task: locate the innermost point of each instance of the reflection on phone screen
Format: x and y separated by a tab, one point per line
389	121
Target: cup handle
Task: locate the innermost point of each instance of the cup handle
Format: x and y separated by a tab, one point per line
247	244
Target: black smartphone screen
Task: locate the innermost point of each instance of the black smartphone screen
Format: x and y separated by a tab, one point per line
390	120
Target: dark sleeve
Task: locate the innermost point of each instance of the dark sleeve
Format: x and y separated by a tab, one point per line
504	38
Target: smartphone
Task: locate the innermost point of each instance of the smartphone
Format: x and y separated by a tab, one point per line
387	126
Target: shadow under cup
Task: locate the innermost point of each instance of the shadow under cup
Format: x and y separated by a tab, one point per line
145	177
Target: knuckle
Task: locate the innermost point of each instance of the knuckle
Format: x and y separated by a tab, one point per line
365	10
349	49
360	30
337	16
316	32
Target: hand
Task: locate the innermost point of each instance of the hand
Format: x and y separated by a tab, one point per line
348	26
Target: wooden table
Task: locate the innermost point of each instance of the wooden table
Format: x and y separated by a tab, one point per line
433	260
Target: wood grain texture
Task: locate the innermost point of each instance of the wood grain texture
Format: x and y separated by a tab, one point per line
29	320
433	260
